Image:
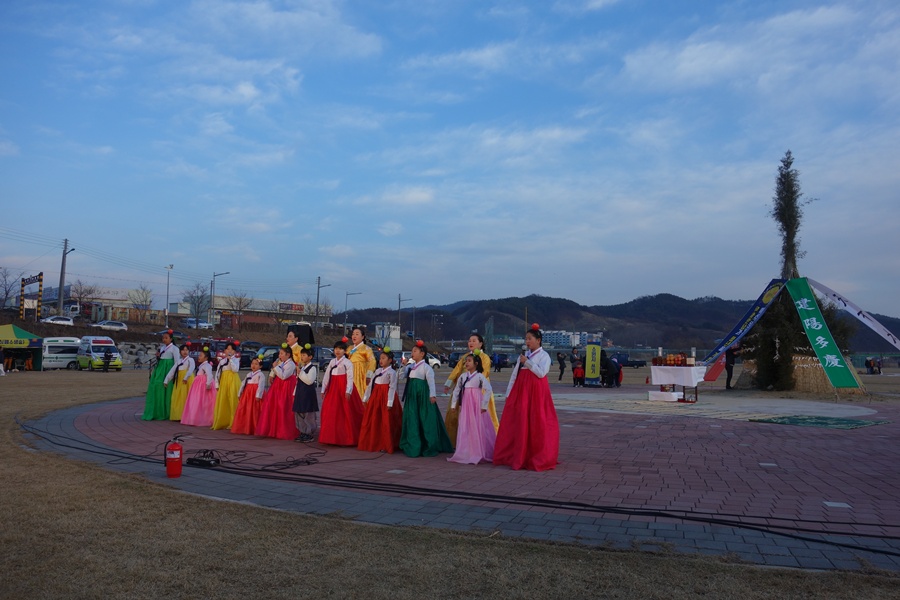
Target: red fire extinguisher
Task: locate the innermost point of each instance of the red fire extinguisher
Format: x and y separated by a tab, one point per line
174	453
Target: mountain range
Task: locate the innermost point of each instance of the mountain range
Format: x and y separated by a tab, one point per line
661	320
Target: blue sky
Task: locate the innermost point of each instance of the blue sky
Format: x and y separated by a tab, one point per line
598	150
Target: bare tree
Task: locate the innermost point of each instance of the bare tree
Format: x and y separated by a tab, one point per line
237	302
141	299
83	293
273	307
197	299
9	281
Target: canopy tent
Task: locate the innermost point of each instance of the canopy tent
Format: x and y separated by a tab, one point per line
18	343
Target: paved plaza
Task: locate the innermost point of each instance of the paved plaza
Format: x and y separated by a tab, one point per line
634	474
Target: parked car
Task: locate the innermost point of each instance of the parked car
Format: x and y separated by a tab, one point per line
269	356
67	321
454	358
176	335
503	361
196	323
433	361
111	326
91	350
249	349
623	359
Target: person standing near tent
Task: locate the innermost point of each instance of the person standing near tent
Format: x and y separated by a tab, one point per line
729	364
2	362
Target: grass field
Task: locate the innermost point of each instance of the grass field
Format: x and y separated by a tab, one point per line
75	530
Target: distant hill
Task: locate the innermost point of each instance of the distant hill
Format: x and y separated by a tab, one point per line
661	320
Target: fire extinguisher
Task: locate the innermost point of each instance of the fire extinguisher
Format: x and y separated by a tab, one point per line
174	454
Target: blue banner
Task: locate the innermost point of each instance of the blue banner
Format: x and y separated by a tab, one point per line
750	319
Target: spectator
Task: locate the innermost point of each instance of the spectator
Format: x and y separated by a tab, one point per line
2	363
561	359
729	364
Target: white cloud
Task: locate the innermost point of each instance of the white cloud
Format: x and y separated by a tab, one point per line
408	195
390	228
8	148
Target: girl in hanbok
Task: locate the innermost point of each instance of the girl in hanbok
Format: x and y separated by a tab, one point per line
250	403
423	432
201	399
182	376
342	408
383	419
476	437
158	400
276	417
363	360
529	430
451	420
228	382
306	398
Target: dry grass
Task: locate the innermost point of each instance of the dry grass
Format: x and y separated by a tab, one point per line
74	530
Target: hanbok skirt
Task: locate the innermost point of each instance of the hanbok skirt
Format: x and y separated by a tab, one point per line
341	418
226	400
200	403
179	395
476	437
423	432
276	419
159	396
247	415
381	426
529	430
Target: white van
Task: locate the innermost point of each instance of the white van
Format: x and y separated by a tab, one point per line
91	351
60	353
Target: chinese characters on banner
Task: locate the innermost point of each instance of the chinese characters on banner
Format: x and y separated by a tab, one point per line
839	374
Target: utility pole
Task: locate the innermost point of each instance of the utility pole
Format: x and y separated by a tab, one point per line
212	295
62	277
347	297
401	299
319	287
168	272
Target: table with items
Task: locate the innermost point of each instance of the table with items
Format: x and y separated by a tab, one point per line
667	378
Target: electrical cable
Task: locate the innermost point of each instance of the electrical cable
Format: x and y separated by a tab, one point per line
274	474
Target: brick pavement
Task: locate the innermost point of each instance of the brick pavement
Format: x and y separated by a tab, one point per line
634	474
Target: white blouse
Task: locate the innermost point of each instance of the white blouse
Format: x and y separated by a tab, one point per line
257	377
420	370
206	370
182	364
285	369
472	380
383	376
538	362
339	366
169	351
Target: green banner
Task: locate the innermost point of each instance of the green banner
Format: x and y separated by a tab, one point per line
839	374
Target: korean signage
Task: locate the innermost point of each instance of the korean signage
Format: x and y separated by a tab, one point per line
836	368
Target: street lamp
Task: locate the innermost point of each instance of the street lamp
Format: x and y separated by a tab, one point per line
168	272
212	295
400	300
319	287
347	297
435	321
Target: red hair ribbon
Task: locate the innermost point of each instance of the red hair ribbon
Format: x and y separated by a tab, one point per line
344	339
420	343
535	327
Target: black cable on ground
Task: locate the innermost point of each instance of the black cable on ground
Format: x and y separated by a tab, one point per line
689	516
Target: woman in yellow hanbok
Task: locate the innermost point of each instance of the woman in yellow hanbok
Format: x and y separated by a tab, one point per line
476	348
363	360
181	376
229	383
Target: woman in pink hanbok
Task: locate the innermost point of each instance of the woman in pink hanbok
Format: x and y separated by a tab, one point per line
201	400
